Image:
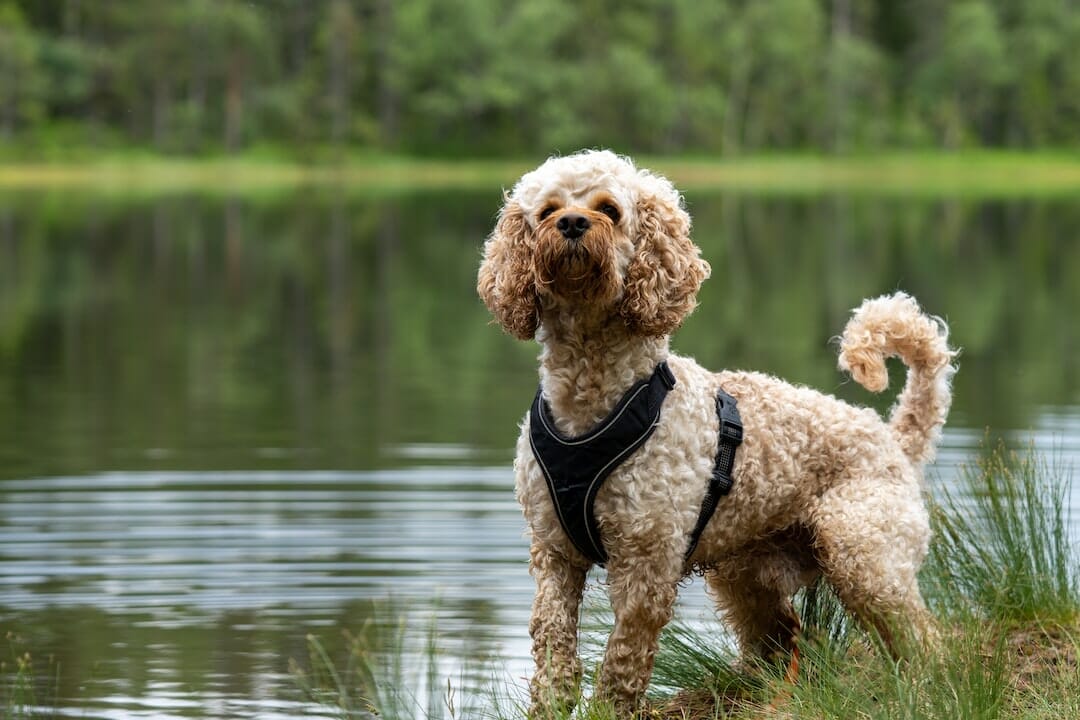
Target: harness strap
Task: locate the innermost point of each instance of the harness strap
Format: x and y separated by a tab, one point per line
731	433
576	467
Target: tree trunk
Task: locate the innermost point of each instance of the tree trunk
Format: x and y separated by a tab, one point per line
841	29
298	37
734	110
339	77
234	102
388	99
72	17
161	112
7	105
197	88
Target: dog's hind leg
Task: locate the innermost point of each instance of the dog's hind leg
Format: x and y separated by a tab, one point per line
761	615
556	683
871	539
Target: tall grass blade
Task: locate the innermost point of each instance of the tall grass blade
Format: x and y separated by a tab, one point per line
1001	549
391	670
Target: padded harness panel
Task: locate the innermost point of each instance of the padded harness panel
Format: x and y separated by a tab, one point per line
576	467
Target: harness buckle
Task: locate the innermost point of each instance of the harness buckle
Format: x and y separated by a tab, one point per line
730	431
731	428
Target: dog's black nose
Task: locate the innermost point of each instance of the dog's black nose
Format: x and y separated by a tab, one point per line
573	225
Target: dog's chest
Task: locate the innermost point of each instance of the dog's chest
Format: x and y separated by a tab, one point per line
653	489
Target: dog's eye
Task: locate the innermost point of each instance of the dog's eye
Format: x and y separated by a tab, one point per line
611	211
546	212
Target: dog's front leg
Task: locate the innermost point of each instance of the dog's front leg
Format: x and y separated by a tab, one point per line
642	594
556	684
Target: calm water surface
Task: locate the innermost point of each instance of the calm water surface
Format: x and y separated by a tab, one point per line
226	424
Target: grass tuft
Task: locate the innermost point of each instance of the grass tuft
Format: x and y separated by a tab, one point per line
1001	550
388	672
21	685
962	678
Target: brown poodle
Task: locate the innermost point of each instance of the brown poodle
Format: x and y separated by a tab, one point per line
592	257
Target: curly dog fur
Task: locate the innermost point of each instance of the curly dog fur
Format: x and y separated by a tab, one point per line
820	487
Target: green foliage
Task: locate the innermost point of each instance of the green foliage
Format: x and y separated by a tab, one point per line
390	671
1003	542
21	73
964	677
690	658
500	77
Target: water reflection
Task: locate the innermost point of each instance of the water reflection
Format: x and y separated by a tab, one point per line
226	423
211	581
317	331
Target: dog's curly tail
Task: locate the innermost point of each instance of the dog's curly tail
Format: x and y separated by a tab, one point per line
891	326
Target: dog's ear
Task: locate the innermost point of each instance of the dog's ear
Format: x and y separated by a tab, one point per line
505	281
661	284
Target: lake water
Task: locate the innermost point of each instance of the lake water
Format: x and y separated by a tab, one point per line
228	423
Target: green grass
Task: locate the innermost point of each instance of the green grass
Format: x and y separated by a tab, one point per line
388	670
982	173
1001	551
1003	584
22	683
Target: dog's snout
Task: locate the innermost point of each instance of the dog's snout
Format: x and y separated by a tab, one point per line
573	225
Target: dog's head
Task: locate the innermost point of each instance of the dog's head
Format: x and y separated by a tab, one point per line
592	235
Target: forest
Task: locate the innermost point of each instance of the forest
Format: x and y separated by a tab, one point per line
474	78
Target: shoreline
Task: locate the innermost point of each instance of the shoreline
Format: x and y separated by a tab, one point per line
978	174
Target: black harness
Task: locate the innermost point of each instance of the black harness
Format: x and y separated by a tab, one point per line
575	468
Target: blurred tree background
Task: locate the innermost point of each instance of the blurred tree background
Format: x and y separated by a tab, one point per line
500	77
